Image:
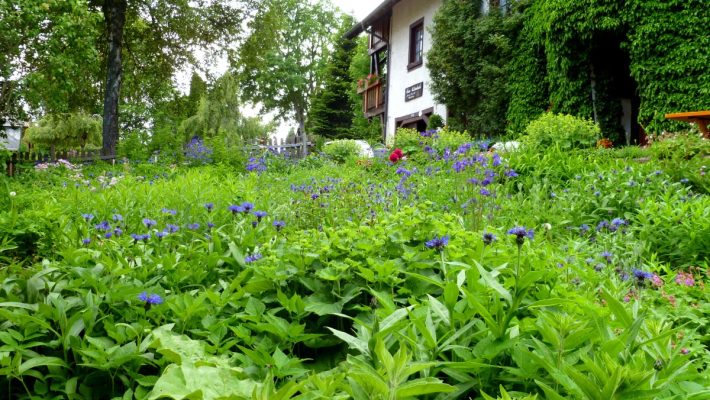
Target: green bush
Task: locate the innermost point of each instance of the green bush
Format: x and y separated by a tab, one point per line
435	122
450	139
133	146
564	131
341	151
410	141
680	146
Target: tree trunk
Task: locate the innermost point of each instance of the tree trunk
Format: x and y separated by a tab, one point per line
115	17
301	119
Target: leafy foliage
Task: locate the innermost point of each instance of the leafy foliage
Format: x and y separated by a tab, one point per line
66	131
331	115
564	131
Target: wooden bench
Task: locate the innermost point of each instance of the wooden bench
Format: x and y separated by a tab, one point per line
702	118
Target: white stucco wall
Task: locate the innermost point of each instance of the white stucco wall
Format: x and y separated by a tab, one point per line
404	14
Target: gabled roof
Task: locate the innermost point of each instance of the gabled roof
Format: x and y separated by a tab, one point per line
378	13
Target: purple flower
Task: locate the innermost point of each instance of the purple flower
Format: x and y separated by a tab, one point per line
642	275
149	222
521	233
511	173
108	235
485	192
86	241
209	206
193	227
103	226
87	217
161	234
210	225
488	238
247	206
315	196
150	299
117	217
607	256
438	243
260	214
251	258
236	209
168	211
279	225
584	228
171	228
118	231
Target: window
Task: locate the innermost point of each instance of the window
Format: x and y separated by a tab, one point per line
416	44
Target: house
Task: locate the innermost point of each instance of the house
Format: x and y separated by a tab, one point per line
398	90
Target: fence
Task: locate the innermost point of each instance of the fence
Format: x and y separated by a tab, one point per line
274	145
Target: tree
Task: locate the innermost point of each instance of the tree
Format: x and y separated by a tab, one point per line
360	67
468	63
65	131
331	113
218	115
281	64
177	26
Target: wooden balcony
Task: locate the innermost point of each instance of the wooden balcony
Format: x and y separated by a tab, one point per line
373	98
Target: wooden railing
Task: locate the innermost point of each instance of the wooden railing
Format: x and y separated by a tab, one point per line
373	97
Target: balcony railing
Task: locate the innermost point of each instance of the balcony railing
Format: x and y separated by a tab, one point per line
373	98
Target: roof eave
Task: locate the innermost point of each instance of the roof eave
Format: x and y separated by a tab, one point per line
375	15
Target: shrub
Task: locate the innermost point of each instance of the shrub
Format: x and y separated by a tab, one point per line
133	146
435	122
410	141
680	146
564	131
341	151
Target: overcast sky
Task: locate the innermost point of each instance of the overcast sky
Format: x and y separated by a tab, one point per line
359	8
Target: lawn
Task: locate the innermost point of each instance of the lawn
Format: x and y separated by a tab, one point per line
452	273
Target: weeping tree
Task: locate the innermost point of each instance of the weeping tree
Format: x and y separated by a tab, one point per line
65	131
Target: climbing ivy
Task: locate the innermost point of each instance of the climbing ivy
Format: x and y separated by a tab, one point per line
581	57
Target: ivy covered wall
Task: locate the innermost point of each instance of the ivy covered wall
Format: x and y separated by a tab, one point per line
583	56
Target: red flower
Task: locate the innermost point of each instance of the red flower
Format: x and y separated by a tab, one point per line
396	155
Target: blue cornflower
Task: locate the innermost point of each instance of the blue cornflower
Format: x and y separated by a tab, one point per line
150	299
210	225
438	242
161	234
86	241
260	214
87	217
247	206
118	231
117	217
488	238
485	192
149	222
251	258
194	226
315	196
597	193
103	226
617	222
168	211
108	235
496	159
511	173
607	256
209	206
641	275
279	225
171	228
603	224
584	228
521	233
236	209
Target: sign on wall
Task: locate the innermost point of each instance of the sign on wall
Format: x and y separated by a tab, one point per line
414	91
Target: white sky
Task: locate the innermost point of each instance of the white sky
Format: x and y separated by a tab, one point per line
359	8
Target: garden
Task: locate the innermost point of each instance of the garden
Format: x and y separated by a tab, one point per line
437	271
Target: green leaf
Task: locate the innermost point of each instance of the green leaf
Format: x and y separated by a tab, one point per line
352	341
421	387
41	362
